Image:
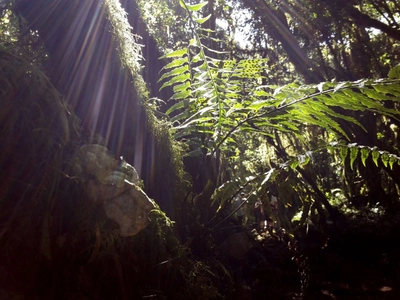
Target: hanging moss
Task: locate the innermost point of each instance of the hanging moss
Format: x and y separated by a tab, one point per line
128	46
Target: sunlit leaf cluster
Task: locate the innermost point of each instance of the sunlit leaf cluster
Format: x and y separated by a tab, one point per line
225	104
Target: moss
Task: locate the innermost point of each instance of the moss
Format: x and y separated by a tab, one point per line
129	48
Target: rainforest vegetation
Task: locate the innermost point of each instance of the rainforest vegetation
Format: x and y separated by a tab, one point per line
297	100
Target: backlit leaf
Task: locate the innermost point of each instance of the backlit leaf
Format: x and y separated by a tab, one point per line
392	160
364	155
353	156
343	153
375	156
202	20
177	53
195	7
385	158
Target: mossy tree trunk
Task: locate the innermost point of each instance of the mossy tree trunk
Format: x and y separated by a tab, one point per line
85	67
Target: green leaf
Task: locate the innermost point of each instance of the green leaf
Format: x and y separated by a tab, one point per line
202	20
392	160
393	88
177	79
256	105
375	156
178	105
205	109
294	163
177	53
394	73
175	71
182	95
364	155
343	153
353	155
193	7
374	95
319	110
385	158
176	63
181	87
261	93
182	116
290	126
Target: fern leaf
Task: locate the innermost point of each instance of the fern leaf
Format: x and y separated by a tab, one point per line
343	153
176	106
394	73
202	20
290	126
384	158
319	111
294	163
375	156
256	105
364	155
181	87
373	94
175	63
392	160
176	79
182	95
173	72
353	155
321	106
176	53
389	89
181	116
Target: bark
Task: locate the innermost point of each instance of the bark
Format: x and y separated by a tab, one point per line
363	20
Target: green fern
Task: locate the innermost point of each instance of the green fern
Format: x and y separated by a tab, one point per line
222	98
353	151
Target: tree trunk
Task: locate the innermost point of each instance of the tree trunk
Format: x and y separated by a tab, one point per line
85	67
366	21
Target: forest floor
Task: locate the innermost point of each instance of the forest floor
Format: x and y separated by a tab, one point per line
342	268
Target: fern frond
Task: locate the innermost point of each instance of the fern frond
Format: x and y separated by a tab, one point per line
226	95
353	151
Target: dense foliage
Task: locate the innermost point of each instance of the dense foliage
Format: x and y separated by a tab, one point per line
220	99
